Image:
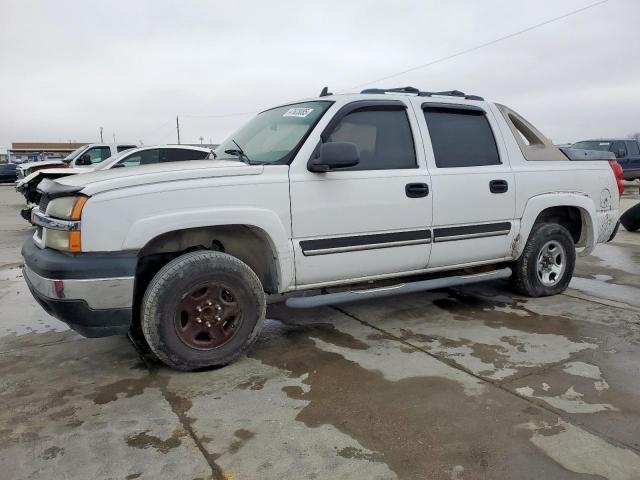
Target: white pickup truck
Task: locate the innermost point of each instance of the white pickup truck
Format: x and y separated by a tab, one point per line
317	202
94	152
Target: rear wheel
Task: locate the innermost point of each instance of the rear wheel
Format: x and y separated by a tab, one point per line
547	262
202	309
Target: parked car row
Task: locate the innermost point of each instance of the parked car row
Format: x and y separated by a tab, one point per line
95	157
317	202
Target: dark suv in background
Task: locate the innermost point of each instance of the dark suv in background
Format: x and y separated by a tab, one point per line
627	153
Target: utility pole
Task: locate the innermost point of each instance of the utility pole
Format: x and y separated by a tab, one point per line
201	139
101	140
178	128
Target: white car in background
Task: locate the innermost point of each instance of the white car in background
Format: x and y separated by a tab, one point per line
96	152
89	161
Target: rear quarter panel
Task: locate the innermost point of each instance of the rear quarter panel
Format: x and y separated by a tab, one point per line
587	185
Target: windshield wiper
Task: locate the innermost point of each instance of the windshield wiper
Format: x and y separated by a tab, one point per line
239	153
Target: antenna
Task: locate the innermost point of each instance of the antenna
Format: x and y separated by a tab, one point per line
325	92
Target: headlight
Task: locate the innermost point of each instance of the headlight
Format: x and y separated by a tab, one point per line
63	240
65	236
67	208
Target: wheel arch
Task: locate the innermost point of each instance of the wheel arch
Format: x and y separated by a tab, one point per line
576	212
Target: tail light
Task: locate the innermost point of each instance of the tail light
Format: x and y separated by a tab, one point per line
617	172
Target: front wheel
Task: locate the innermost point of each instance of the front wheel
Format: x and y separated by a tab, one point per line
547	262
202	309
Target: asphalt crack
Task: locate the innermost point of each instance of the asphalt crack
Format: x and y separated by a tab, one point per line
180	406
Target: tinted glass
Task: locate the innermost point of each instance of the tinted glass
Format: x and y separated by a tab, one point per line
181	154
461	138
593	145
98	154
632	148
383	138
274	135
619	150
145	157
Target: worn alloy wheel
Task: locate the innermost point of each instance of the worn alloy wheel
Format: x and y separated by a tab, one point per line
202	309
546	264
208	316
551	263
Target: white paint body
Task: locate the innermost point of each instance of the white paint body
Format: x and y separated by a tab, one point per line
291	204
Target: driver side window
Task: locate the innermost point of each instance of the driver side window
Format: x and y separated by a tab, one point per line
98	154
383	138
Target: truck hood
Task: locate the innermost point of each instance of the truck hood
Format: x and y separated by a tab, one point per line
104	180
27	165
49	172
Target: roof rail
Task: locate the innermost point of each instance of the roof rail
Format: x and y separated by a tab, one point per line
449	93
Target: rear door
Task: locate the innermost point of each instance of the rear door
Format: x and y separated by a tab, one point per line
473	185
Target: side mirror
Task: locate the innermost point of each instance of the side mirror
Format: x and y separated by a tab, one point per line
333	156
620	153
84	160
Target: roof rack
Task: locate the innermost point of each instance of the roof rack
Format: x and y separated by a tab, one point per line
415	91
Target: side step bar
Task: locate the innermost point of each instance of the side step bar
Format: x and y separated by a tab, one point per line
357	295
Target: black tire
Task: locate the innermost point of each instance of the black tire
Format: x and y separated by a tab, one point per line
631	218
525	278
171	287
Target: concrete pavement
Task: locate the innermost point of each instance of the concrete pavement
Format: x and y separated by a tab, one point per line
472	383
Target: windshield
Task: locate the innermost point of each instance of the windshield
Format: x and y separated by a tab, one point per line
592	145
273	136
74	154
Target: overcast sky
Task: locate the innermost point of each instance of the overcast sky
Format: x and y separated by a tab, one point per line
69	67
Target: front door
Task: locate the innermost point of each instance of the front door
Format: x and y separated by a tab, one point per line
369	220
473	186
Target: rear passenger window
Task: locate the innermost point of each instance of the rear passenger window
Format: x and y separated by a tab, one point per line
383	138
619	150
632	148
461	137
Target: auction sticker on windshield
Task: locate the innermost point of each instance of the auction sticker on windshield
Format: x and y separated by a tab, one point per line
298	112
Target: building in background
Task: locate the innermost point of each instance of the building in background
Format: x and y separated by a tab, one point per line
21	152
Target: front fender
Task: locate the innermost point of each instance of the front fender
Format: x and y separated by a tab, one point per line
536	205
144	230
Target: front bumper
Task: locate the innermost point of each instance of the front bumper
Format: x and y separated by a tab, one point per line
92	293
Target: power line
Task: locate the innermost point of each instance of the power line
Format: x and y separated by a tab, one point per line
483	45
424	65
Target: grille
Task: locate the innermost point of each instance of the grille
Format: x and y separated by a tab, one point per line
44	201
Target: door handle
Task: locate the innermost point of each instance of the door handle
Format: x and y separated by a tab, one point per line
498	186
416	190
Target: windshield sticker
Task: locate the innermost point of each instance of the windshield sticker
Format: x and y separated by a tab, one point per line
298	112
604	144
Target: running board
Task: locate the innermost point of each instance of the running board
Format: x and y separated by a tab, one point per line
420	286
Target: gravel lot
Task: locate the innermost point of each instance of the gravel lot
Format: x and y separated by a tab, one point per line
470	383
